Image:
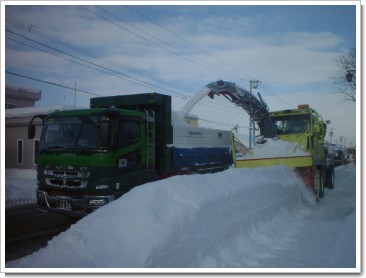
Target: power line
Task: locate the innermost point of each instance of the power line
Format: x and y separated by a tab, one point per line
124	76
189	42
214	105
33	29
86	92
220	123
50	83
54	54
214	67
186	55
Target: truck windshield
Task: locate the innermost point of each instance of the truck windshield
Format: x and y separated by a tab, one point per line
70	133
292	124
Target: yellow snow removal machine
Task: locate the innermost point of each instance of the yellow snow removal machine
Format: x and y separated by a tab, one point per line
293	137
299	143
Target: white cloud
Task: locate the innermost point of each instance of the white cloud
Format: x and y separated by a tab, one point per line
281	58
34	61
307	40
285	59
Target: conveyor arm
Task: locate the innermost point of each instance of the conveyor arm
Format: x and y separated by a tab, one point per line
256	108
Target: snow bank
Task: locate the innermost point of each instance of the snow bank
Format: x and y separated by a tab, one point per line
184	221
20	187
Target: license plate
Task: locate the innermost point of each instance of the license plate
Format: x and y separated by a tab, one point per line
64	204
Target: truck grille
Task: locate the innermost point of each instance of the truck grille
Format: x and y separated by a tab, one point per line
63	178
66	182
66	174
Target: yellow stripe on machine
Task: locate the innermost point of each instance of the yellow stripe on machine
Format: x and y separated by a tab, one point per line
295	161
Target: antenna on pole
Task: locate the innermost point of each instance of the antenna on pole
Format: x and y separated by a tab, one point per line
75	97
331	135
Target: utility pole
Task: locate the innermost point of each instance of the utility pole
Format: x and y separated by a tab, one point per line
253	85
250	132
345	143
341	142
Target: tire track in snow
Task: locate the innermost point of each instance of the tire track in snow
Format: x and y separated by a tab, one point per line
266	239
255	219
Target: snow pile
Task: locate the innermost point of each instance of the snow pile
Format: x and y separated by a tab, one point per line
211	220
274	147
20	187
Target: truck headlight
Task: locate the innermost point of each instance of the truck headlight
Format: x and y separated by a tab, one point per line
102	186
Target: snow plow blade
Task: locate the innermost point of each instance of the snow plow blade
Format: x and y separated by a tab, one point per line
295	161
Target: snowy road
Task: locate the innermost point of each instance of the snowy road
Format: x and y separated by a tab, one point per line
27	230
240	218
320	235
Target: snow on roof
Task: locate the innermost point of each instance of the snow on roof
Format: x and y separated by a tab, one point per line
22	89
31	111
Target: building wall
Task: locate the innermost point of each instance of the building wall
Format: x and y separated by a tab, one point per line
11	102
16	97
19	150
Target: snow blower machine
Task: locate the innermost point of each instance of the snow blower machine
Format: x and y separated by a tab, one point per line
293	137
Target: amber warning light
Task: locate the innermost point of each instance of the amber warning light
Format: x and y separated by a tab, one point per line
303	106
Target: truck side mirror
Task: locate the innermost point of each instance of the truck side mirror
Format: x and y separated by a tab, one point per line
104	134
32	127
31	131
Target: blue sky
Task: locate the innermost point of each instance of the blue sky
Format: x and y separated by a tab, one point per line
177	50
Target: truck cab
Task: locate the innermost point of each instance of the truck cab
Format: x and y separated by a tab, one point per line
87	158
307	128
90	157
303	126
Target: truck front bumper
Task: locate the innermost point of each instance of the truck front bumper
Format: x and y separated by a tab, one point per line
69	206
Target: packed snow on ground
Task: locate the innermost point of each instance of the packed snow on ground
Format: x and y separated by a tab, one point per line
242	219
20	187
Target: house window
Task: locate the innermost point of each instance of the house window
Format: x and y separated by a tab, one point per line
35	150
20	151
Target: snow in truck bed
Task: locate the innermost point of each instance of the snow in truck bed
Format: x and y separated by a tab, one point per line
274	147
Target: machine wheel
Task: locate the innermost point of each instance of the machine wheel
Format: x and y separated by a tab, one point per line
321	189
329	179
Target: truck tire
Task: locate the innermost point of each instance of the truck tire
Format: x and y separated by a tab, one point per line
329	178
